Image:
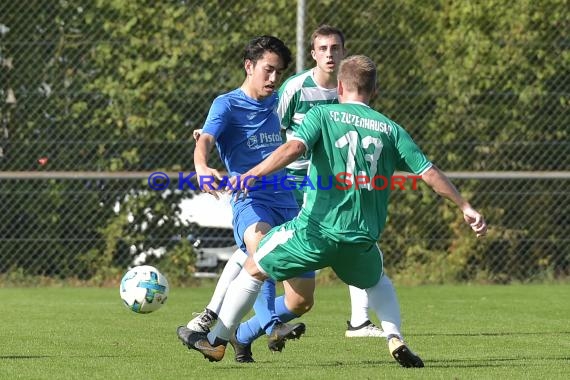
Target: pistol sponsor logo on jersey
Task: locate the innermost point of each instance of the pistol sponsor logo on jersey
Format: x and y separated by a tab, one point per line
263	140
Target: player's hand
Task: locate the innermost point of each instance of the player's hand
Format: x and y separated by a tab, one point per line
208	180
196	134
476	221
241	185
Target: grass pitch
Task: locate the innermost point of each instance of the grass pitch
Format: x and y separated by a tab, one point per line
461	332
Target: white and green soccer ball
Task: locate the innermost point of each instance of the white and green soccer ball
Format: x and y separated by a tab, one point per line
144	289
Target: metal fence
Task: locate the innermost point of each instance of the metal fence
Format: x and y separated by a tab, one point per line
95	95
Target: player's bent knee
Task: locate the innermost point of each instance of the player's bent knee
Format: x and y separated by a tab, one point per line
299	304
253	270
299	294
302	307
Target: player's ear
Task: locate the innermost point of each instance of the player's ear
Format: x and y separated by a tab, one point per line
340	89
313	54
248	66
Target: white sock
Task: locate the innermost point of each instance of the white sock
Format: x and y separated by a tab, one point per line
231	270
239	300
383	300
359	306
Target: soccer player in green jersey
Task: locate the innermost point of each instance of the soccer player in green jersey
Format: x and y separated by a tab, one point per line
352	146
297	95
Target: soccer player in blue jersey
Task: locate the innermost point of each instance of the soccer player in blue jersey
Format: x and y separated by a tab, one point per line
338	226
244	126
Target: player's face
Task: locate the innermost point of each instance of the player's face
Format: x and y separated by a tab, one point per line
265	75
328	52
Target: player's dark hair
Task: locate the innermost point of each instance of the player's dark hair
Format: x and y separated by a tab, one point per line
326	30
259	45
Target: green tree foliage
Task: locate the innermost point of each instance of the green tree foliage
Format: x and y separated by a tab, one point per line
495	71
112	85
482	84
501	68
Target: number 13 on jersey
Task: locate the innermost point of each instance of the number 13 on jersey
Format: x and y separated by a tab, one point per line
351	139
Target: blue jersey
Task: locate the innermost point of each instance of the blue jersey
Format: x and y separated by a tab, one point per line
246	132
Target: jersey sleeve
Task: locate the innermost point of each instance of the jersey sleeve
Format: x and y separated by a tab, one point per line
217	119
286	105
309	131
410	158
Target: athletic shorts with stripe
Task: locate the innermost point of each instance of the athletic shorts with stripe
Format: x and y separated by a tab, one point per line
293	248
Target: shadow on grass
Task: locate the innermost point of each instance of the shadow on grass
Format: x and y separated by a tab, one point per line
15	357
504	333
454	363
523	361
12	357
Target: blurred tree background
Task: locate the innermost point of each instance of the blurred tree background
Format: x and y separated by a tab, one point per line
112	86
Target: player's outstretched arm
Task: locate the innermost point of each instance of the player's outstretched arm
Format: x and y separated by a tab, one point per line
205	175
443	186
281	157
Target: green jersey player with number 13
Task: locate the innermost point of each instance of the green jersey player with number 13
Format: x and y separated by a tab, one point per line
297	95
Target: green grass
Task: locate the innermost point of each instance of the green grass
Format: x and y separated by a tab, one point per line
461	332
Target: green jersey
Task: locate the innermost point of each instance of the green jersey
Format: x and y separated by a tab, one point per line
297	95
354	153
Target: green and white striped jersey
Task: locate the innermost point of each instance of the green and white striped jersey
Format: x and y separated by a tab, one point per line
297	95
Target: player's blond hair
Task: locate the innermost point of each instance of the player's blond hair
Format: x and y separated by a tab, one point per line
358	74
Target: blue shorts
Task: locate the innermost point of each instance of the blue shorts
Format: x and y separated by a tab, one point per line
249	211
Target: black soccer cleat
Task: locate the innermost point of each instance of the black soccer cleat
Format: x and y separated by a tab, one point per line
283	332
403	355
199	341
243	352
